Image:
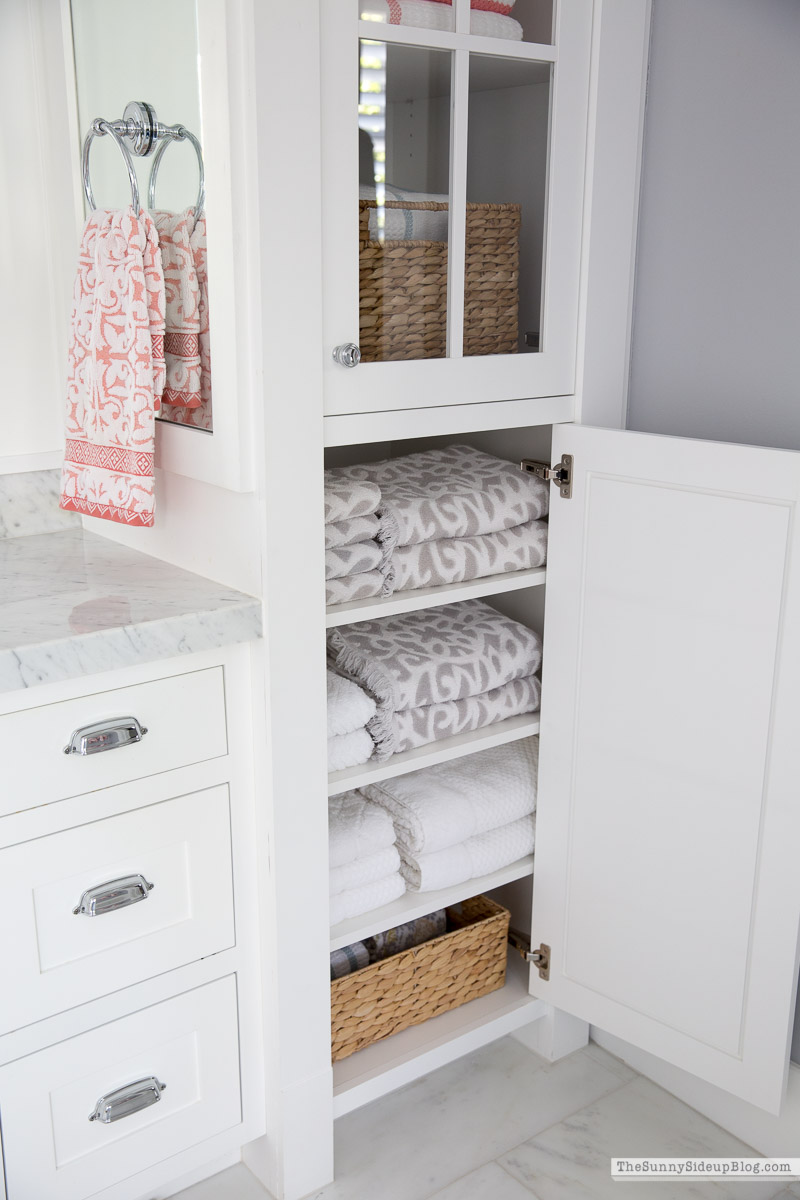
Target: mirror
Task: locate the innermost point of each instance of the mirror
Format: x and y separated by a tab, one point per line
118	59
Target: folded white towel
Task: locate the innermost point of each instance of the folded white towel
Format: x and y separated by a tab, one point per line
443	805
356	828
349	750
349	706
362	871
359	900
476	856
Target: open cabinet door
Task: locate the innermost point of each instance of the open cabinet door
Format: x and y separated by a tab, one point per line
666	881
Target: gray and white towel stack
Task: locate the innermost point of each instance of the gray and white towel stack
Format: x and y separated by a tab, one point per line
439	672
462	819
358	541
364	861
456	514
350	711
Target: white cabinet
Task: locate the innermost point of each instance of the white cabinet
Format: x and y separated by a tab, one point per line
127	876
458	270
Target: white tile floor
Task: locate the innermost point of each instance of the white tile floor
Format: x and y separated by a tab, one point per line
502	1124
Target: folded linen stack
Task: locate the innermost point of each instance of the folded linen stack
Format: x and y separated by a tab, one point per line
458	820
350	711
364	862
358	541
458	514
439	672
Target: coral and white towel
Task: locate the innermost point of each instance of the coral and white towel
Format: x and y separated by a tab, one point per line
445	804
182	291
115	370
487	19
467	860
356	828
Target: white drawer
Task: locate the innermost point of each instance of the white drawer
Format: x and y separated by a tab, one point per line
184	716
190	1043
57	958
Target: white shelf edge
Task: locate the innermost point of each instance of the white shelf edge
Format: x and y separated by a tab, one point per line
510	730
384	1066
419	904
433	597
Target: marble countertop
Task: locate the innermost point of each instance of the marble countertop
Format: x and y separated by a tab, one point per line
74	604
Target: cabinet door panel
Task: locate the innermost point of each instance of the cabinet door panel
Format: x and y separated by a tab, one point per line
668	817
470	301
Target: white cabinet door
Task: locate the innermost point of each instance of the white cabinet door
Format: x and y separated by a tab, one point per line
446	306
666	880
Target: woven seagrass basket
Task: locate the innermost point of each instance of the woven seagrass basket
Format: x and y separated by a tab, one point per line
403	286
422	982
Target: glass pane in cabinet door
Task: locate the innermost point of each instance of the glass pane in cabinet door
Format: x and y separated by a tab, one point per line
404	169
514	20
421	14
507	151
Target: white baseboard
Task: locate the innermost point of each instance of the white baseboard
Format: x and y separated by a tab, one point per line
770	1135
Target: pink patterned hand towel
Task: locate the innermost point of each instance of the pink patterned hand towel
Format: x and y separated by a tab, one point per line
182	291
116	370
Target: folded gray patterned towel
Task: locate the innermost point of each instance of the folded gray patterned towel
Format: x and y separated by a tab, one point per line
346	498
356	587
452	492
347	959
341	561
435	660
453	560
356	529
403	937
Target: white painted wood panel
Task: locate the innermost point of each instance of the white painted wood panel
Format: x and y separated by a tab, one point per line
432	597
58	959
457	746
53	1152
185	720
669	756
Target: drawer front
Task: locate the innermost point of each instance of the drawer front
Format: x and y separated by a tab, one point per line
190	1044
177	906
184	716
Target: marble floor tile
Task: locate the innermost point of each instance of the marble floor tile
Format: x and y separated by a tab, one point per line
237	1183
487	1183
571	1160
415	1142
610	1062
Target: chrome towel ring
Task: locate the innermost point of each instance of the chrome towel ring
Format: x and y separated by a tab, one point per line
179	134
140	133
99	128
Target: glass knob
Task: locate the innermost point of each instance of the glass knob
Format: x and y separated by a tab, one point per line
347	355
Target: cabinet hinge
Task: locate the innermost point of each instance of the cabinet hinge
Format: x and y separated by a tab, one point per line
561	473
539	958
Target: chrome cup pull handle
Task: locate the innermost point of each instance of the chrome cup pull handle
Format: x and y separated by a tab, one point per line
105	735
116	893
131	1098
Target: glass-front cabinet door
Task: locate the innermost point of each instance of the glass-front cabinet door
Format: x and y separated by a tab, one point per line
454	142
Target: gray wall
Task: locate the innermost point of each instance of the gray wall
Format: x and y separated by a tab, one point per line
716	334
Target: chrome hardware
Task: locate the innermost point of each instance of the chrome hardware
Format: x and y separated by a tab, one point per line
131	1098
105	735
116	893
347	355
140	133
538	958
561	473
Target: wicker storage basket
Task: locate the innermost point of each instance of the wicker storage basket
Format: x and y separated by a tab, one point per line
403	287
422	982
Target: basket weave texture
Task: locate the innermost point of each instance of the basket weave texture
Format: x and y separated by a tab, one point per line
422	982
403	287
